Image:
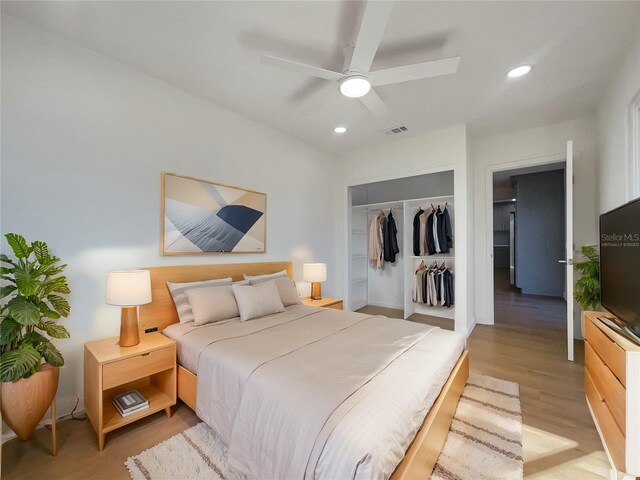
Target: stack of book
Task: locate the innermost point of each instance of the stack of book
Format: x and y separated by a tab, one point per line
128	403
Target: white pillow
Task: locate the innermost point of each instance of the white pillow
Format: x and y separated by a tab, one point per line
212	304
257	300
287	290
180	298
242	282
263	278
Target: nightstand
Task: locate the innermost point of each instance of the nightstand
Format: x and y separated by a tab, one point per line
326	302
109	369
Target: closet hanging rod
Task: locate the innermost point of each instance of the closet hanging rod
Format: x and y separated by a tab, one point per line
384	209
441	198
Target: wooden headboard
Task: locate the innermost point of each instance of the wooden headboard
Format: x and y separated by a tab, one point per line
161	312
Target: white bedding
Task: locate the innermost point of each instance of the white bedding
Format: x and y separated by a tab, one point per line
316	393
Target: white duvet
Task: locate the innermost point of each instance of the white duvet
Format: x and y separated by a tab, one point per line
317	393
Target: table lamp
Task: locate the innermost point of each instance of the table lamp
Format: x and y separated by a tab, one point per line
315	273
128	289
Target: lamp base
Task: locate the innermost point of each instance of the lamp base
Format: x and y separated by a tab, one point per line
316	291
129	334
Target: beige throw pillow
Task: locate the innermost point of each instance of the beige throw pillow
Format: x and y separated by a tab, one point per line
257	300
288	291
180	298
264	278
212	304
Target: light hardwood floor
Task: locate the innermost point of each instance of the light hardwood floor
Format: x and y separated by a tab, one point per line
526	346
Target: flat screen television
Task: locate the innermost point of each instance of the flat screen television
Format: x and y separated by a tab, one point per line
620	266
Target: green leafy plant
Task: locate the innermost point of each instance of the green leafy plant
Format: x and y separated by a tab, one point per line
33	299
587	290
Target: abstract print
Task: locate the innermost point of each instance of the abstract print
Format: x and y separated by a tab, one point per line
204	217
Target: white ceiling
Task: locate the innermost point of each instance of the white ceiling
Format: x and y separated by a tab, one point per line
213	49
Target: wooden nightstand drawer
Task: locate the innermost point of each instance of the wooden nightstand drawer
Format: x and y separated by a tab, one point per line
613	436
132	368
610	353
609	387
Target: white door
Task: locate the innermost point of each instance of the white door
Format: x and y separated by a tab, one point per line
569	246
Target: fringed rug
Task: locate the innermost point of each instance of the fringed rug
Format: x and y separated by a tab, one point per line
484	442
485	438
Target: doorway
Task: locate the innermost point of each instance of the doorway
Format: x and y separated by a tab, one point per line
529	238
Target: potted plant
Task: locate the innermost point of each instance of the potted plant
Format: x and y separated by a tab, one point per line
33	299
587	289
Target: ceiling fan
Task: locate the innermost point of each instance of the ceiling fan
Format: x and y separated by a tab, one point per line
356	81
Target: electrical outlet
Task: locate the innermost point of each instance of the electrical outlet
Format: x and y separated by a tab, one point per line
150	330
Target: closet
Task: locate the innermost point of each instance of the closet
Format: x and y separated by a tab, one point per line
394	285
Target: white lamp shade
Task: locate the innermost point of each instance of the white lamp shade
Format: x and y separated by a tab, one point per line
314	272
129	287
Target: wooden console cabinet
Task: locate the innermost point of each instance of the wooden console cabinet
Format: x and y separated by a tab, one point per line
612	387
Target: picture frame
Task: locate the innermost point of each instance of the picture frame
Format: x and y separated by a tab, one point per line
203	217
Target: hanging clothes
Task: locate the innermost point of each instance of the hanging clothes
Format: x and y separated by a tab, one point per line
416	232
434	285
445	236
436	241
376	242
391	248
424	250
448	232
431	246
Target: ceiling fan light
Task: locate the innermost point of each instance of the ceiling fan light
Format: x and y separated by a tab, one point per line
355	86
340	129
519	71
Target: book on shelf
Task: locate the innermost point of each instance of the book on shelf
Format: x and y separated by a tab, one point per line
130	402
132	411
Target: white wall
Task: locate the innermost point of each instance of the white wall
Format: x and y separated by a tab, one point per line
524	146
84	140
613	116
432	152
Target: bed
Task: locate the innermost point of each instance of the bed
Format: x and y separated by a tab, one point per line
268	387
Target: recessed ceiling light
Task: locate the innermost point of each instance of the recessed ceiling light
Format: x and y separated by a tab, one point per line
355	86
519	71
340	129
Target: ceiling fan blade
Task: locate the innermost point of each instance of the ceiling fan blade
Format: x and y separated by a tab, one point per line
374	21
302	68
406	73
374	103
317	101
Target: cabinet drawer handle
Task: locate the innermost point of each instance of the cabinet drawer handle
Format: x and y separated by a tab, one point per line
145	354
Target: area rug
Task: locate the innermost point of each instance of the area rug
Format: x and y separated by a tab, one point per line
484	442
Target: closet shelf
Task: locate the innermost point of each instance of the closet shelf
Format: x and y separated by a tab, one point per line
359	280
359	232
434	257
358	256
503	246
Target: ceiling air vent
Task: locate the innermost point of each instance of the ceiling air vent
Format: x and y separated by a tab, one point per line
395	130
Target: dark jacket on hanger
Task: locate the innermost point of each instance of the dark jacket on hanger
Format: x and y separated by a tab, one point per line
390	240
442	238
445	234
416	232
431	245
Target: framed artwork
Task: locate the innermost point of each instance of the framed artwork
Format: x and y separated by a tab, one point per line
205	217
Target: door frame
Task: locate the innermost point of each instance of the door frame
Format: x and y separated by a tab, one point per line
489	171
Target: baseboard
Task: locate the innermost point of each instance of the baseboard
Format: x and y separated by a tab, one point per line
386	305
482	321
